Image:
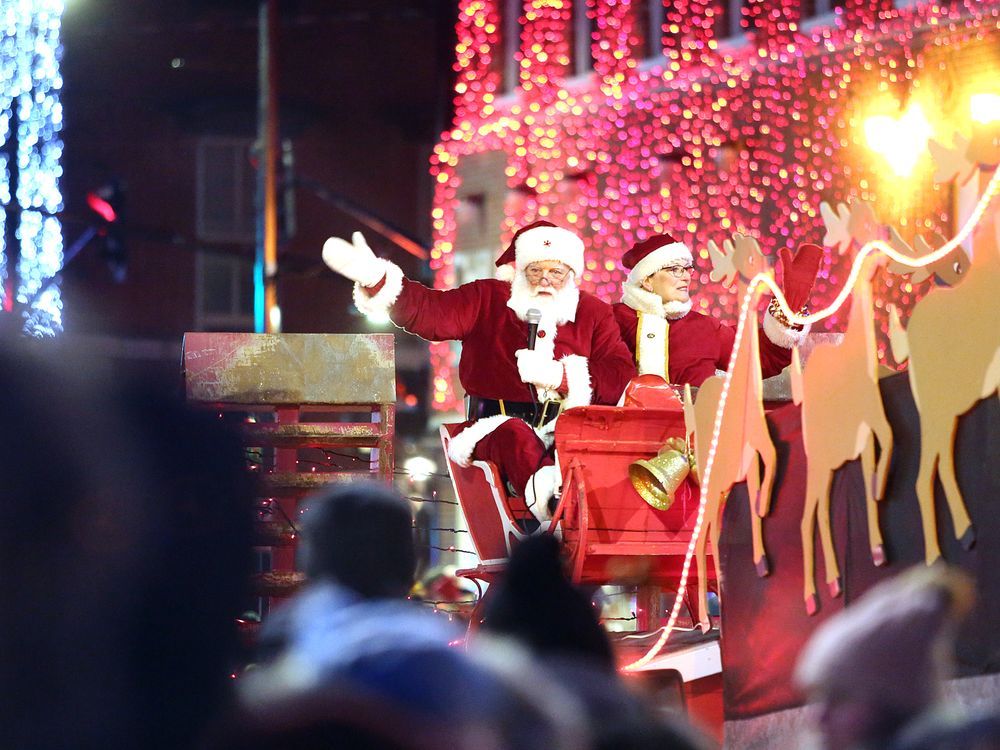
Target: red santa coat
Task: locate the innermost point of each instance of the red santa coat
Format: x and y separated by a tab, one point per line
693	346
597	364
477	315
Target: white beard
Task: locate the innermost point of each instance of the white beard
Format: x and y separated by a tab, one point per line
556	309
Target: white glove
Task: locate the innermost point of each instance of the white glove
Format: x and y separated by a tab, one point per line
355	261
539	369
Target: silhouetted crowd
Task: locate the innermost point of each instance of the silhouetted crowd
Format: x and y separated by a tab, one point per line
125	552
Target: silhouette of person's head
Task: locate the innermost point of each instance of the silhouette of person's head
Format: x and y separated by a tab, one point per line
361	536
883	662
126	548
536	604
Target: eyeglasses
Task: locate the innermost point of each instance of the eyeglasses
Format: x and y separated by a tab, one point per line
678	271
536	273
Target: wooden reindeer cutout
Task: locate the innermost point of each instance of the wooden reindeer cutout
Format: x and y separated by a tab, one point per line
842	415
856	222
744	436
952	342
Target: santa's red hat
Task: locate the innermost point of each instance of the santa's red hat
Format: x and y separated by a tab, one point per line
649	256
543	240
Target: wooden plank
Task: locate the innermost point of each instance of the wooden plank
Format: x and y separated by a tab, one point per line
289	368
314	434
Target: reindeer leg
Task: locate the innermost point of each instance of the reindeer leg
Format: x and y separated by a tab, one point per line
760	561
868	477
826	537
770	459
753	479
883	432
964	530
756	525
925	496
808	530
716	530
700	553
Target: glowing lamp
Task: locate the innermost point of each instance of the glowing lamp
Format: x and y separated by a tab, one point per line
985	108
419	468
900	141
274	316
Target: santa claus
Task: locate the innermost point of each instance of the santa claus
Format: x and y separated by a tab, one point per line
669	339
515	391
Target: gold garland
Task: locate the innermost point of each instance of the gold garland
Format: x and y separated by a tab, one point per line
774	307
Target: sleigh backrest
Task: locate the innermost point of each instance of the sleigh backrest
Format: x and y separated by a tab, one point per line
492	515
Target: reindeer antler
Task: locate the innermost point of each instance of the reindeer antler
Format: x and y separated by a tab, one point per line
853	221
952	163
748	259
835	220
722	262
741	254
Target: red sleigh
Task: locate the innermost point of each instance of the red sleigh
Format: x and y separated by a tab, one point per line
610	534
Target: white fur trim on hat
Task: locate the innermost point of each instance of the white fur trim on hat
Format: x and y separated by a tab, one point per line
661	257
506	272
784	337
380	302
461	446
549	243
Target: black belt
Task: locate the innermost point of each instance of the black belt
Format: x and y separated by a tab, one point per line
533	414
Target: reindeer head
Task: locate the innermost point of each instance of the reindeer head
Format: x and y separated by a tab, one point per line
949	270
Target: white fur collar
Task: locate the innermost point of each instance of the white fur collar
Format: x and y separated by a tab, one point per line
646	302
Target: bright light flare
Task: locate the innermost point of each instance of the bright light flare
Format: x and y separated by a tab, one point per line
902	140
985	108
419	468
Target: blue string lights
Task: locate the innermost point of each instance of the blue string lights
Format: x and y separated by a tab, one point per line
30	122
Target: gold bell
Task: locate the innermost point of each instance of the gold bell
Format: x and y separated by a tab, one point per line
657	479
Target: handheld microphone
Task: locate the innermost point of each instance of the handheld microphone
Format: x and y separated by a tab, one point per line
533	318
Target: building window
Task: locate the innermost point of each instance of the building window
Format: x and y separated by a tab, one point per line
223	292
641	28
226	189
471	265
654	27
580	37
470	215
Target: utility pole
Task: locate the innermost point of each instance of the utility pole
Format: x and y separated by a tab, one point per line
267	314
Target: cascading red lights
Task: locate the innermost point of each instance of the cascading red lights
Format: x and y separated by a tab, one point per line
708	139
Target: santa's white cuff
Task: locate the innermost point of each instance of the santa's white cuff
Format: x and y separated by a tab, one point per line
380	302
580	392
781	335
461	446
